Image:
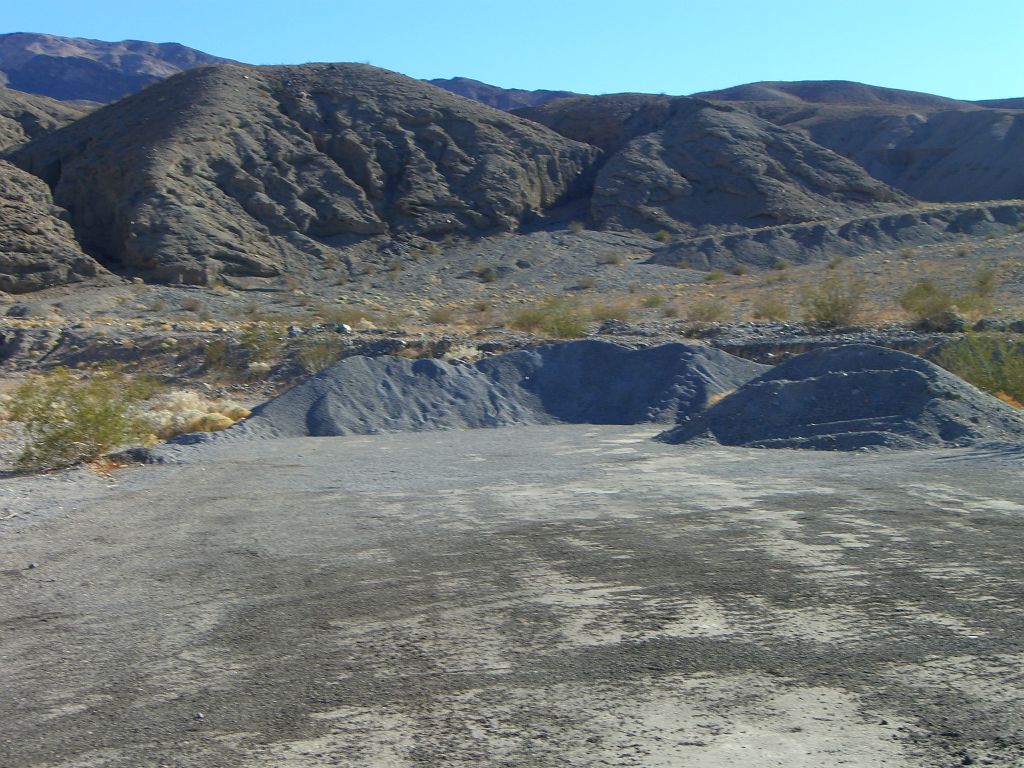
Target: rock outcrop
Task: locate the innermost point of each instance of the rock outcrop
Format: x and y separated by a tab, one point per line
686	165
821	241
854	397
37	248
258	170
76	69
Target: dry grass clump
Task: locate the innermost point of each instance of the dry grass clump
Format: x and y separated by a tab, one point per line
556	317
707	311
834	303
771	309
610	310
181	412
315	353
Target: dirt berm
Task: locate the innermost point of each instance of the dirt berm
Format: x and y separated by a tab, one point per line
853	397
577	382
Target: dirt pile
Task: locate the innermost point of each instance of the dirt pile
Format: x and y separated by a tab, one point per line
853	397
680	164
264	170
577	382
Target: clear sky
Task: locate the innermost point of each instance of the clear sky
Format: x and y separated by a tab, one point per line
967	50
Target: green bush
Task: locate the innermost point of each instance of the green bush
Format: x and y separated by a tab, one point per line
555	317
927	300
262	341
770	309
993	362
315	353
834	303
707	311
68	420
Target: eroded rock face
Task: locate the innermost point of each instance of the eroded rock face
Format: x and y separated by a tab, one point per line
37	248
854	397
684	165
246	170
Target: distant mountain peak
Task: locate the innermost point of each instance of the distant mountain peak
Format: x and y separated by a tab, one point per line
80	69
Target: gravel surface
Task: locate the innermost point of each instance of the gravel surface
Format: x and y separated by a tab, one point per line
530	596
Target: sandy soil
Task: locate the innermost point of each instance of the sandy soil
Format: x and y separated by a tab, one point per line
543	596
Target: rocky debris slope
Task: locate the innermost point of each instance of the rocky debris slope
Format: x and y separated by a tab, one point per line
932	148
820	241
578	382
499	98
24	117
853	397
77	69
37	247
258	171
682	164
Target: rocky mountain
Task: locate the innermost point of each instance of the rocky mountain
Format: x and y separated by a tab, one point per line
831	92
932	148
37	247
76	69
255	171
499	98
683	164
24	116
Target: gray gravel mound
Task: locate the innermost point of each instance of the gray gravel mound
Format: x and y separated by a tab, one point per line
578	382
853	397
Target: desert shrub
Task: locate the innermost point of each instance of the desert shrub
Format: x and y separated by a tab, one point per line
440	316
261	341
768	308
192	304
610	310
340	315
834	303
215	355
739	269
993	362
653	301
586	283
927	300
556	317
707	311
962	251
315	353
780	265
663	236
834	262
487	274
68	420
714	276
576	226
612	259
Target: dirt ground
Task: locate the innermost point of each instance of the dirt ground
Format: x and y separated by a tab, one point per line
543	596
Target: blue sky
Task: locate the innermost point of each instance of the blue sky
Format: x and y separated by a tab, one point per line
967	50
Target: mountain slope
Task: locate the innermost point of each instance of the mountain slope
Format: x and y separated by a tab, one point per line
499	98
24	116
257	171
69	68
932	148
684	164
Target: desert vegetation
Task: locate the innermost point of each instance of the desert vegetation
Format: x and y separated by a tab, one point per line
993	362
